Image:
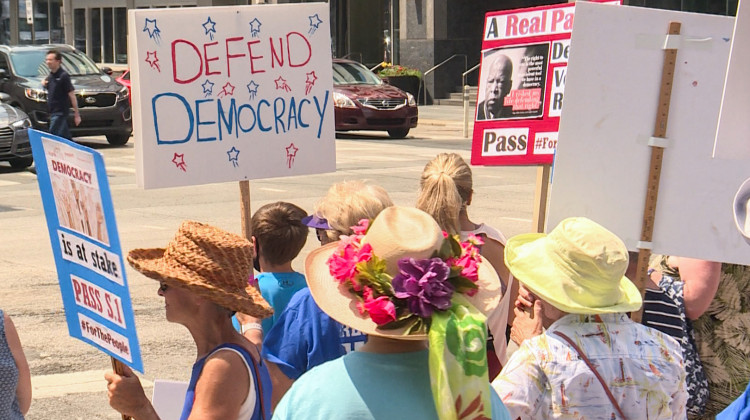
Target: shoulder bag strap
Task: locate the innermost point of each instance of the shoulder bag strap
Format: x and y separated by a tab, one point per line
593	369
259	384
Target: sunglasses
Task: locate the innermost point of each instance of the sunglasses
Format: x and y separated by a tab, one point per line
163	287
321	234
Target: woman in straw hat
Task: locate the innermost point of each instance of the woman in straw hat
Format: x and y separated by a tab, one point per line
405	283
203	276
593	361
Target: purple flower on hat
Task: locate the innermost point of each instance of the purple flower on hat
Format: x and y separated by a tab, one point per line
424	284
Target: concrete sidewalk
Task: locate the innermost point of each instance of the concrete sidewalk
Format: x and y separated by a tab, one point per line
443	121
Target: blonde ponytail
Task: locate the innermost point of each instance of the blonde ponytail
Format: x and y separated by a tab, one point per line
445	187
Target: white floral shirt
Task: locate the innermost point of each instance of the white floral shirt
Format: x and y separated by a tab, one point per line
546	379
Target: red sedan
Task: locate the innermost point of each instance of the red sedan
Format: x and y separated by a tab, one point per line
363	102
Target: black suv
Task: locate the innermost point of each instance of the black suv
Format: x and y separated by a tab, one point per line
103	103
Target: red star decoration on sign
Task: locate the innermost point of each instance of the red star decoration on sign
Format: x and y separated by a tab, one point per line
227	89
281	84
179	161
153	60
310	82
291	152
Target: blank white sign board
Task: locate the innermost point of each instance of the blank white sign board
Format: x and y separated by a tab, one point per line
611	93
734	125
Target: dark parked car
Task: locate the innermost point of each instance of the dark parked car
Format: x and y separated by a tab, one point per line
14	138
363	102
103	103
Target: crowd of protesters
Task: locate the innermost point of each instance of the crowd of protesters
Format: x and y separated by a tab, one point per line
408	312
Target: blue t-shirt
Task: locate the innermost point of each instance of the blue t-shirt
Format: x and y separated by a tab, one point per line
368	386
304	336
58	87
277	289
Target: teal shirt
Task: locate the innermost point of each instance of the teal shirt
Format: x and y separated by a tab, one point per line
277	289
366	386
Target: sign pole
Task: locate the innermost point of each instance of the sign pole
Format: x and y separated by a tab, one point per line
541	193
654	173
117	367
247	229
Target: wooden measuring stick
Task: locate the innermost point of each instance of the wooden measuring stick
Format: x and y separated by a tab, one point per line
117	367
654	171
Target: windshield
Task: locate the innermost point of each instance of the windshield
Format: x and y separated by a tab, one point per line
31	63
353	74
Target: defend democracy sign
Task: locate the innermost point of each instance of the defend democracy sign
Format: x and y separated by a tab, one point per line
85	243
521	85
231	93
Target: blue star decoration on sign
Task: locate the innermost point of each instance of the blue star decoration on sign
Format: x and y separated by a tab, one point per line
252	88
153	30
210	27
255	27
208	87
233	154
314	23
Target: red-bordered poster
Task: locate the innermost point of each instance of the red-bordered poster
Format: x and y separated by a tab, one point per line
521	85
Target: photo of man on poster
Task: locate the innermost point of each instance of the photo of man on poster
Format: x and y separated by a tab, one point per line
513	80
497	86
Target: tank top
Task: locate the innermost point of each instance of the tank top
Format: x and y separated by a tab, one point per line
9	409
253	408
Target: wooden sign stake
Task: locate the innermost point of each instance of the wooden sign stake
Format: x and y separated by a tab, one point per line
117	368
541	192
247	230
654	172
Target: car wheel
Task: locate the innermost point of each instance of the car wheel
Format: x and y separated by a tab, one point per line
117	139
398	133
21	163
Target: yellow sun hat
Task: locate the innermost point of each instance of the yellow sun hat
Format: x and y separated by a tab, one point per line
579	268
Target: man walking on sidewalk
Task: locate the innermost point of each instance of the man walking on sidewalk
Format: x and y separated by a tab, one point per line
60	96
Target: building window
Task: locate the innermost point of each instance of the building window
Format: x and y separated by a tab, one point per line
95	23
121	35
79	32
108	47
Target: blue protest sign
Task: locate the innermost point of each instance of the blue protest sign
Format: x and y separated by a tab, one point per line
83	232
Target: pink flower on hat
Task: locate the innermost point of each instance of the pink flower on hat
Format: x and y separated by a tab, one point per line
361	227
382	310
343	263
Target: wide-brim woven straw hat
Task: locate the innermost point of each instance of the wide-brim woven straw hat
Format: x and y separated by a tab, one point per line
208	261
579	268
396	233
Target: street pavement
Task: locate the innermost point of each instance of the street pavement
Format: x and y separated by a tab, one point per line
67	375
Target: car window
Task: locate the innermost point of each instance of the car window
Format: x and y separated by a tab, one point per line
31	63
3	63
353	74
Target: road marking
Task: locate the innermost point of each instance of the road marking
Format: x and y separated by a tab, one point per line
516	219
271	189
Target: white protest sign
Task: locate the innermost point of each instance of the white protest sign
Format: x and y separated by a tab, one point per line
231	93
611	97
734	125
